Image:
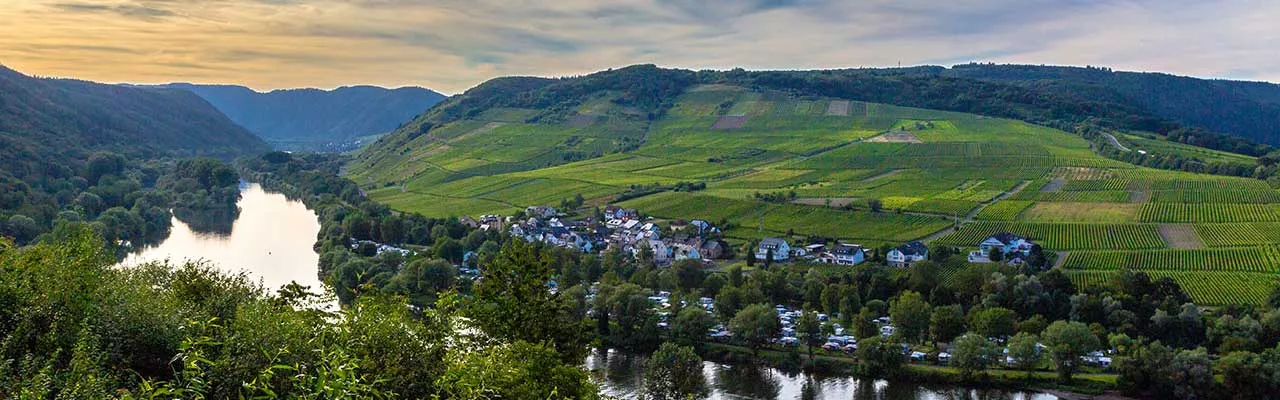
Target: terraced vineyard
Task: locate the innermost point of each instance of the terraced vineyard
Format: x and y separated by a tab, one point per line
831	159
1068	236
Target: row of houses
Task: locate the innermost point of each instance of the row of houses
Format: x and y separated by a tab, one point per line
621	229
840	254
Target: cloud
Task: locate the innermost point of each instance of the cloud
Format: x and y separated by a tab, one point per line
451	45
126	10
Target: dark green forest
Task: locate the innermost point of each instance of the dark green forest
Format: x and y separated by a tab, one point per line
80	151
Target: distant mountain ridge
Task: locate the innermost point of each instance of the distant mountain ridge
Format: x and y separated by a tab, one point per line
64	119
314	115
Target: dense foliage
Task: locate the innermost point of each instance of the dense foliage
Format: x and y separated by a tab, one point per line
126	201
49	127
75	327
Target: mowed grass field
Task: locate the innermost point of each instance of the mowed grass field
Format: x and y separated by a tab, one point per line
989	174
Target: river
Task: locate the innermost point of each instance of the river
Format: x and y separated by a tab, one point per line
621	375
272	241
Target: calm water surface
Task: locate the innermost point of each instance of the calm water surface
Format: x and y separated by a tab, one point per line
271	240
621	376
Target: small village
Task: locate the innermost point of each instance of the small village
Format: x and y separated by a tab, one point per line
666	242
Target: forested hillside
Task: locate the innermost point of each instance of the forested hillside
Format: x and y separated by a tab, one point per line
299	117
81	151
1249	110
65	116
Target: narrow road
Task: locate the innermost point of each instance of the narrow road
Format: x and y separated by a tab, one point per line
1116	142
972	214
1062	259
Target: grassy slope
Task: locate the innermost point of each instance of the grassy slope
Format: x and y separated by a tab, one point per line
497	162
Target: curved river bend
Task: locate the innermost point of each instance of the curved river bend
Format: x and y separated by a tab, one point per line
272	241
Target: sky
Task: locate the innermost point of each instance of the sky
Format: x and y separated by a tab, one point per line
452	45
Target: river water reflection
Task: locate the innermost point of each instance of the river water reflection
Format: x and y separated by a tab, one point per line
621	376
271	240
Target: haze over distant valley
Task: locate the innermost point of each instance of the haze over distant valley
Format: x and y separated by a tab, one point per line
314	119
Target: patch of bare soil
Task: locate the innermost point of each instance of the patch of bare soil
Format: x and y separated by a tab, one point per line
479	131
822	201
581	121
838	108
1139	196
881	176
895	137
730	122
1055	185
1180	236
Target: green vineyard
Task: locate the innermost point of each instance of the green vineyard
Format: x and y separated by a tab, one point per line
1252	259
1239	234
1004	210
1207	289
1216	196
1190	213
1068	236
1102	196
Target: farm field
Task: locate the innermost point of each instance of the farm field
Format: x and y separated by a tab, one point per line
829	159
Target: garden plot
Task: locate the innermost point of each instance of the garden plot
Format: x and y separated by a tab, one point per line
729	122
581	121
896	137
839	108
1181	236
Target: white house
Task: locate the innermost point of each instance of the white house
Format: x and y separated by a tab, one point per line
849	254
781	251
541	211
904	255
1009	245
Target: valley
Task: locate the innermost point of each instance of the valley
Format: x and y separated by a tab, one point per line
1104	215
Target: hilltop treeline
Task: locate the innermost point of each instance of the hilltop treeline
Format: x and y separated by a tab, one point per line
1244	109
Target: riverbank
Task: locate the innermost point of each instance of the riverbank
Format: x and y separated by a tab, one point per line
1084	386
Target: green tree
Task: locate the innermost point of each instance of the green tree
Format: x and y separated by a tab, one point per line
690	274
756	325
1247	375
673	373
946	323
1024	351
923	276
850	304
512	302
994	322
864	324
973	353
1067	342
831	300
448	249
690	326
880	357
809	331
910	314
